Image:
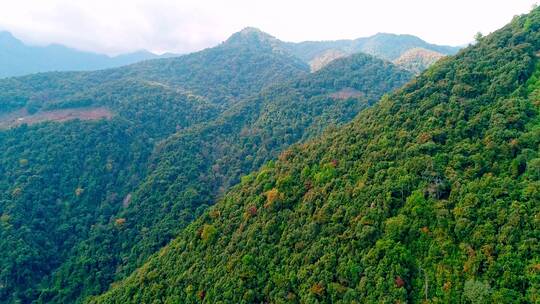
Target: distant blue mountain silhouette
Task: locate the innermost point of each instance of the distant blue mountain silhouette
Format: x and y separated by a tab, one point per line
17	58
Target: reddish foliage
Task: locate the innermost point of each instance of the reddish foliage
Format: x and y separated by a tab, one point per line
201	294
252	210
399	282
447	286
215	214
424	138
271	196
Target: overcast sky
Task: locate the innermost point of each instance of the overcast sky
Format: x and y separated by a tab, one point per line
116	26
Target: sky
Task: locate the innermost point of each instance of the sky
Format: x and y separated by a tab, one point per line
181	26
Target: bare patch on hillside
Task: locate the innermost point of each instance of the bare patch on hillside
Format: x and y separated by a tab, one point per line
323	59
418	59
127	200
346	93
20	117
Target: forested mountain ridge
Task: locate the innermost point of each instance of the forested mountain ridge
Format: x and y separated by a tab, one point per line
206	73
17	59
190	169
61	181
382	45
429	196
319	53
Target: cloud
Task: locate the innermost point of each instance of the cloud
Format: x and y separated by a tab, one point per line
187	25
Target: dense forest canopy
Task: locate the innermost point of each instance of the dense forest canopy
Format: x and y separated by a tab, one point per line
430	196
61	182
194	166
83	203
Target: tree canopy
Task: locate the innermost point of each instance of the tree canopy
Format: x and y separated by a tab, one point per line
429	196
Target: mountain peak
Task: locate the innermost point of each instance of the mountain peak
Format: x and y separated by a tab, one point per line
7	37
252	36
251	29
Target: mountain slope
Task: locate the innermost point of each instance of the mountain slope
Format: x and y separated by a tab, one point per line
430	196
382	45
221	74
325	58
319	53
17	59
61	182
417	60
193	167
391	46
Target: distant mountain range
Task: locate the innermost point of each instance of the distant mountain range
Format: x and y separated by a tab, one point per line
382	45
385	46
17	58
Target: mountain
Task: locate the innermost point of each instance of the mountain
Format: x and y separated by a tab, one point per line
325	58
222	75
417	59
385	46
431	195
85	201
195	166
411	51
18	59
62	181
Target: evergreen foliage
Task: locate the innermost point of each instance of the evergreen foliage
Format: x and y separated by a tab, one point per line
431	196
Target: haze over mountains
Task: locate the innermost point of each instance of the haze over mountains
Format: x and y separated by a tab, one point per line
263	171
18	59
